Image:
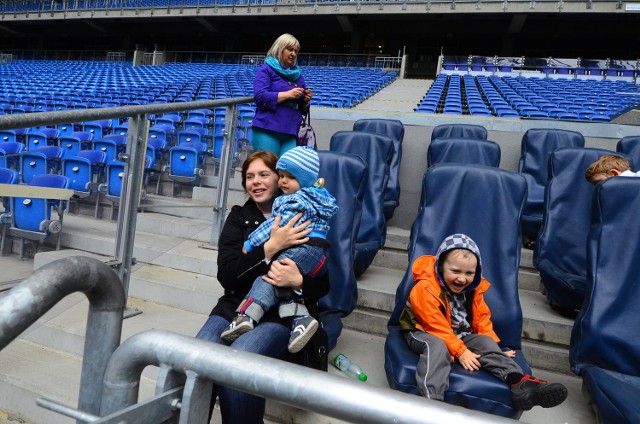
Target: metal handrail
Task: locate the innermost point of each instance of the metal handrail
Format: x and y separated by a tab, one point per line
342	398
25	303
135	155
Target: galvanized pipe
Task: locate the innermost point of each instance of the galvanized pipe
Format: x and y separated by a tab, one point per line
130	196
226	159
26	120
28	301
334	396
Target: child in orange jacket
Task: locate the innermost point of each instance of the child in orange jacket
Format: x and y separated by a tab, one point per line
448	320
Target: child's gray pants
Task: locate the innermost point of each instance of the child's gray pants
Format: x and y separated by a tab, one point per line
434	365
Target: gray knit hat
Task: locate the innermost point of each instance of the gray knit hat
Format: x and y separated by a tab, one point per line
301	162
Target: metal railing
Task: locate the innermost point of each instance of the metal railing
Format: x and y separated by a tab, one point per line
134	158
25	303
190	366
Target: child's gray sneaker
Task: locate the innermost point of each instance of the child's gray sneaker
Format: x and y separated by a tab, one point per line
240	325
303	329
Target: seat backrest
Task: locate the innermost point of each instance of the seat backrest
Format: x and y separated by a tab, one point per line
630	146
109	147
8	176
71	145
345	178
115	173
50	180
377	151
31	164
484	203
459	130
561	243
78	171
536	146
183	161
94	156
604	333
394	129
463	150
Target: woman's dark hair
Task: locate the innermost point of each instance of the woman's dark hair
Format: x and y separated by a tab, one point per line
269	158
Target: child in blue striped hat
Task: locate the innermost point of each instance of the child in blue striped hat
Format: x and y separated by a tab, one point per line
303	193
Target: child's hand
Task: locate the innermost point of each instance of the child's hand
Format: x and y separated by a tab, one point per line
244	250
510	353
469	361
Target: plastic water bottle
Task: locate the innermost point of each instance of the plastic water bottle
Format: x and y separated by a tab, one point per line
345	365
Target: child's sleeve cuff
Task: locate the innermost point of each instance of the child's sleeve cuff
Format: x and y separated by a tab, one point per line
247	246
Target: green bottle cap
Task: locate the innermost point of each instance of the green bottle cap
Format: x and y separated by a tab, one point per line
362	377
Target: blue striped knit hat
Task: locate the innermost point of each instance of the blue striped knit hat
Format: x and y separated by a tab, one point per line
301	162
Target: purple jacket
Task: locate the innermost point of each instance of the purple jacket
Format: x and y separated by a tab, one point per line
283	118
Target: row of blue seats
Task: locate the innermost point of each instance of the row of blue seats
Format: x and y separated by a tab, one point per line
100	84
595	101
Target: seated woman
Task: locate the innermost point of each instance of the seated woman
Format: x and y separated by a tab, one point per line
237	271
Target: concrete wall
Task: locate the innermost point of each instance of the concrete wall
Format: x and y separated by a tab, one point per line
506	132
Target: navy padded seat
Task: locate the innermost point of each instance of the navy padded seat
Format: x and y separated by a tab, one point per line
463	150
630	146
537	144
604	347
394	129
345	178
377	152
459	131
560	250
492	221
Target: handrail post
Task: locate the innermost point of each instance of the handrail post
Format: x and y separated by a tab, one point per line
138	129
28	301
226	159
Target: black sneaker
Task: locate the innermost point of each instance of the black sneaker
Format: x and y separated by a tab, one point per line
303	329
242	324
530	391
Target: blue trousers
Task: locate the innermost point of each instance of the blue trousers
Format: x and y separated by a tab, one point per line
311	261
268	339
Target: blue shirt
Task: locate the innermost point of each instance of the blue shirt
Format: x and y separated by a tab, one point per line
316	205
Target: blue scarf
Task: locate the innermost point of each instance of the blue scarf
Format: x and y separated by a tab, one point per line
291	74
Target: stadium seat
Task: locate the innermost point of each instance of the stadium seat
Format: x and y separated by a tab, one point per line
459	131
31	218
185	166
394	129
9	152
560	250
345	178
112	187
604	347
377	152
537	144
446	187
7	176
84	173
629	145
463	150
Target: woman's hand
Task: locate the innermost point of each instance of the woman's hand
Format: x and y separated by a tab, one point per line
287	236
296	93
284	273
308	95
469	360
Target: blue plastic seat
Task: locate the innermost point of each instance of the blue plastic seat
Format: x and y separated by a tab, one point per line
560	250
604	347
184	166
463	150
83	173
536	146
32	218
446	187
9	152
345	179
394	129
97	128
112	187
459	131
377	152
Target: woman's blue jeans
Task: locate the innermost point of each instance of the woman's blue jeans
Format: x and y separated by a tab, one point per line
268	339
